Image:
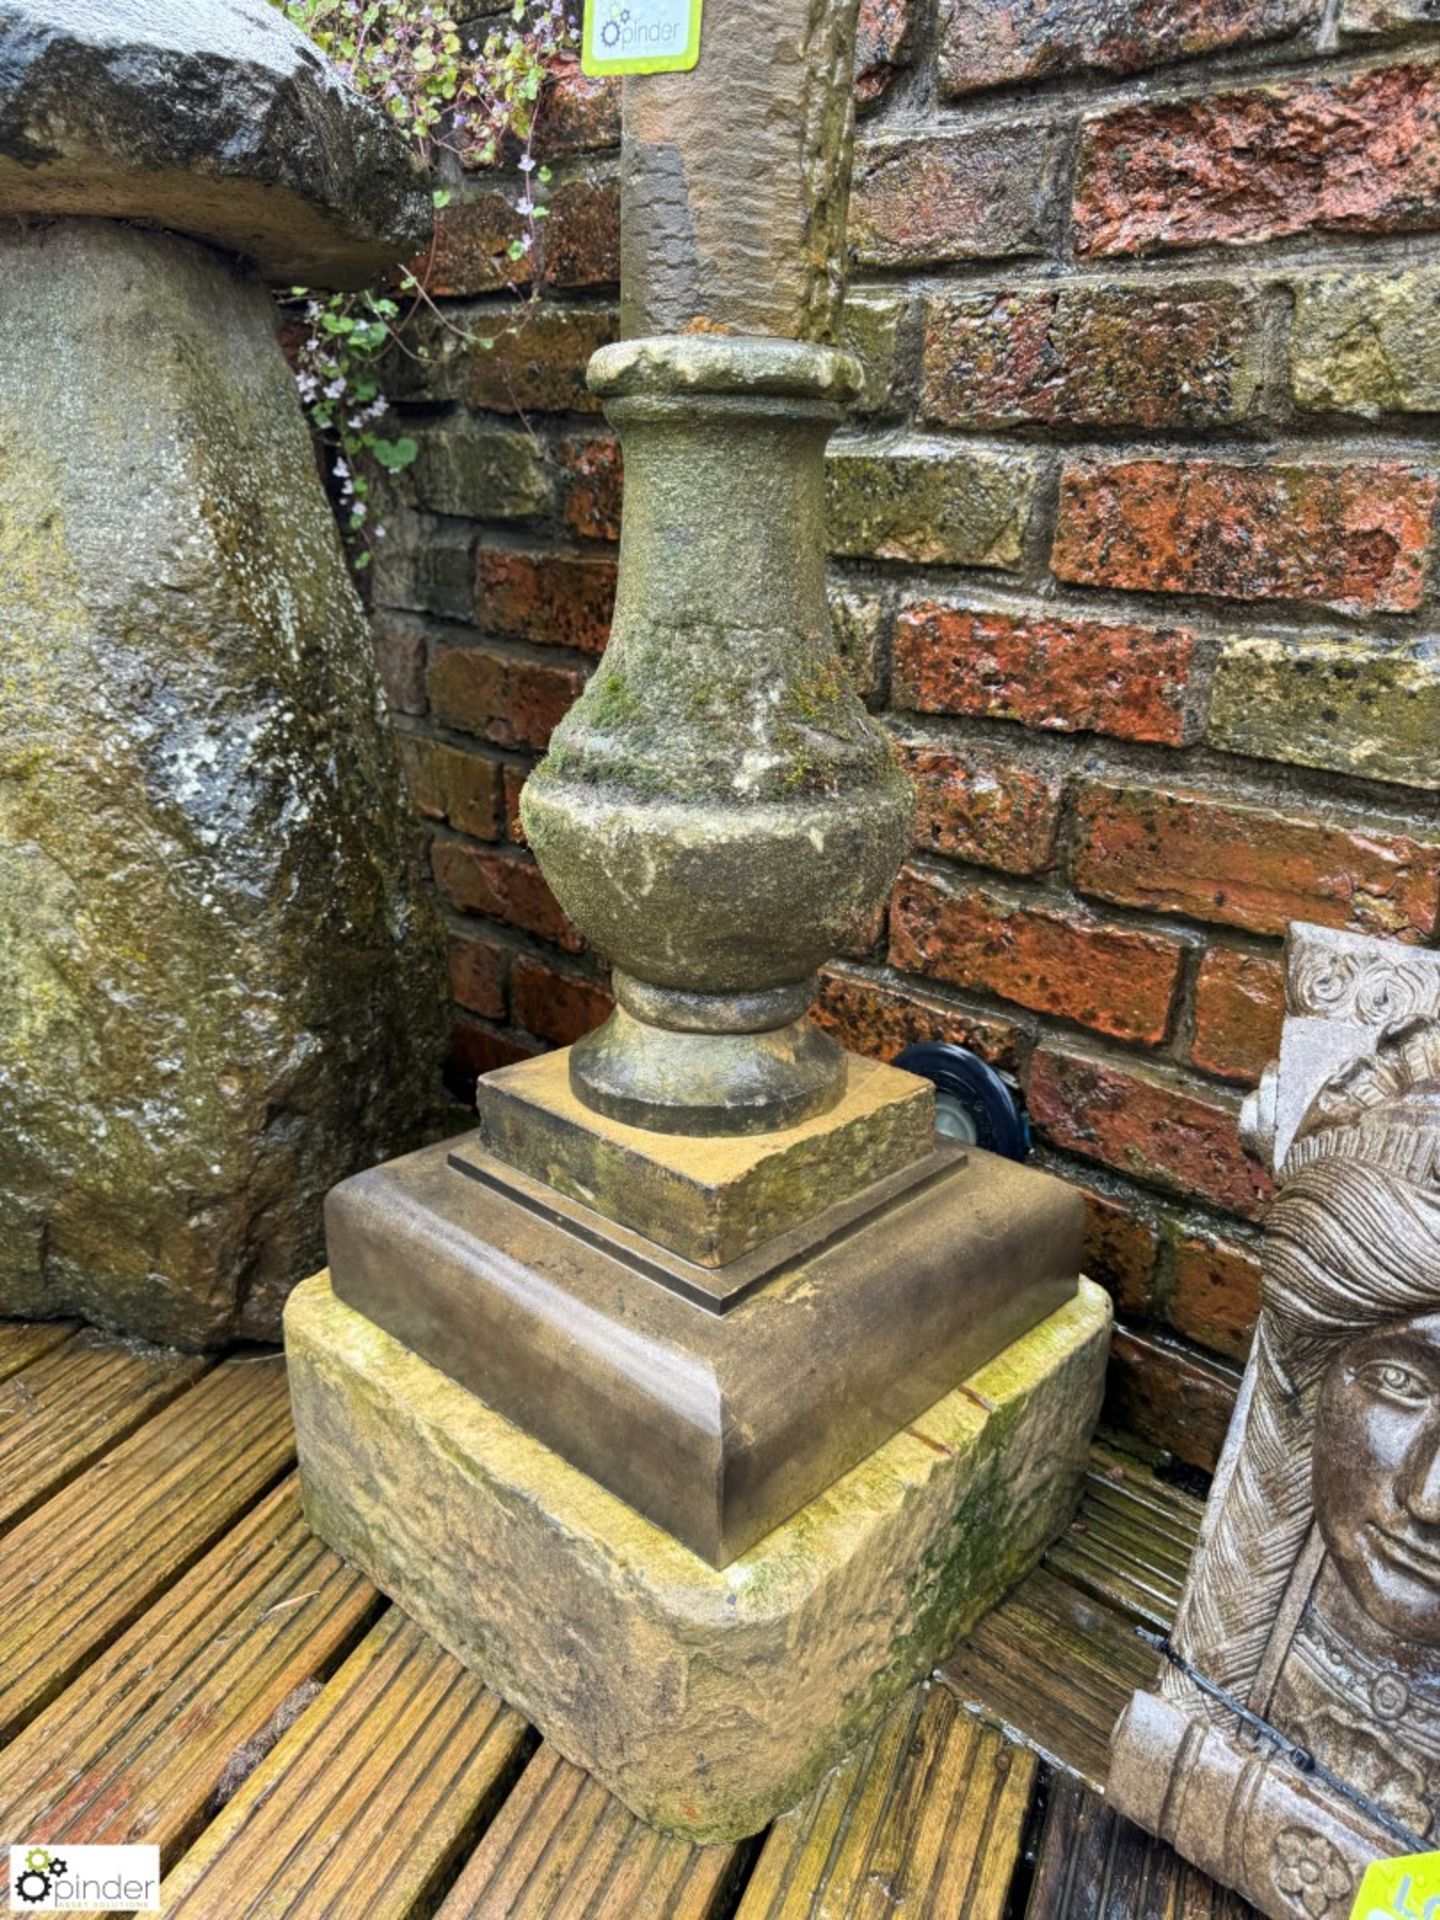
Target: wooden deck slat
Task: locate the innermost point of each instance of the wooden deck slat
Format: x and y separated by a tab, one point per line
1055	1666
135	1749
164	1603
364	1806
1132	1541
65	1409
927	1818
1095	1866
562	1848
24	1341
77	1571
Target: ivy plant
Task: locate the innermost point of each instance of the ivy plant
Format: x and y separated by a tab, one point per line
450	93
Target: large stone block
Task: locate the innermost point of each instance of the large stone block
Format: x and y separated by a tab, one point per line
216	985
708	1701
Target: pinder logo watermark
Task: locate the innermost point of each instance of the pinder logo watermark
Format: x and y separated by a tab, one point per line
66	1879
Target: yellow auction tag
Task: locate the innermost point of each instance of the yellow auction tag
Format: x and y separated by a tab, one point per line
1407	1889
640	36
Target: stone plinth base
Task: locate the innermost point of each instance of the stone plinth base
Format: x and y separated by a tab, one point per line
715	1420
708	1701
710	1200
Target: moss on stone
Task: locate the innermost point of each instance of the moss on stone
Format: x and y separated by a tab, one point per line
1340	704
219	993
708	1701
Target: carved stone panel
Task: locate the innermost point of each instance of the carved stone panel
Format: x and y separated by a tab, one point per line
1313	1606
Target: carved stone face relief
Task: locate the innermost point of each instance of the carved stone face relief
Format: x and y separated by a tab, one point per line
1314	1599
1377	1474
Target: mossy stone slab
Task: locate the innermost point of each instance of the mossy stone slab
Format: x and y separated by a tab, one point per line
214	118
707	1700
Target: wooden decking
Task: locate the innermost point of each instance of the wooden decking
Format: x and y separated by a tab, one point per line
182	1662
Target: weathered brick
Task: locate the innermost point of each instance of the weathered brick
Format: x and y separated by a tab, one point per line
514	703
478	970
581	237
470	786
1064	675
930	503
1371	19
515	778
1063	963
1342	704
1239	1011
592	485
576	114
982	194
480	473
422	787
503	886
471	250
1358	154
1352	537
990	43
1214	1293
537	358
1248	865
449	784
976	803
400	657
860	623
429	361
874	327
867	935
1177	1400
554	1006
1148	1125
424	567
1367	343
880	1021
555	599
884	47
1122	1246
475	1050
1124	356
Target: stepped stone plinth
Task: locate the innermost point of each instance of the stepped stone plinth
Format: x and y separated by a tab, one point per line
705	1395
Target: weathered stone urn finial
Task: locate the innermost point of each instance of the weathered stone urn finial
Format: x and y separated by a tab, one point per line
217	985
719	809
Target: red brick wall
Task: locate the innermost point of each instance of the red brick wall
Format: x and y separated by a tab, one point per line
1134	545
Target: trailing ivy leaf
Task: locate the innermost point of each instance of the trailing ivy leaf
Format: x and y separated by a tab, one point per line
395	455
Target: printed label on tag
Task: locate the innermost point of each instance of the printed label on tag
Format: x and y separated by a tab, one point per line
640	36
1407	1889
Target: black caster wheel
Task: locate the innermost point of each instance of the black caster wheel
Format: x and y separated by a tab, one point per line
974	1104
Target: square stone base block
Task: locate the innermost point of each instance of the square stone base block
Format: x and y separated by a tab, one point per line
708	1701
709	1200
